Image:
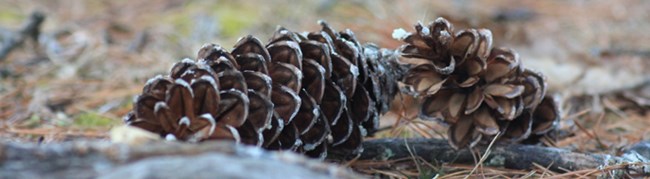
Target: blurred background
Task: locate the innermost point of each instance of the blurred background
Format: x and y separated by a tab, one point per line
77	76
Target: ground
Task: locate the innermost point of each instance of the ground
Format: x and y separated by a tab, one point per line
79	78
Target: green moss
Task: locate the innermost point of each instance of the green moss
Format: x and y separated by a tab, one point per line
181	22
33	121
9	16
235	19
94	120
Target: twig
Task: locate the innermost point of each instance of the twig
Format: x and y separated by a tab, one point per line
94	134
507	156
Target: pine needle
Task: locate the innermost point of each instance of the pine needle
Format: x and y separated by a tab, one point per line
484	157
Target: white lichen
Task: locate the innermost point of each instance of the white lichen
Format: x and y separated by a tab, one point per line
400	34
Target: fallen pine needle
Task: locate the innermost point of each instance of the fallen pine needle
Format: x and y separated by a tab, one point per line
484	157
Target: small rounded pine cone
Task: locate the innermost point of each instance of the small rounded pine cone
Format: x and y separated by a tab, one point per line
480	91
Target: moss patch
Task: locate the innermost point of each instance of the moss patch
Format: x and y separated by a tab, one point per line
89	120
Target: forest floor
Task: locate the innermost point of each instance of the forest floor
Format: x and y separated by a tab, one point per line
91	58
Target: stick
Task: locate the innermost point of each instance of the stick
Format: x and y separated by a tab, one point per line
507	156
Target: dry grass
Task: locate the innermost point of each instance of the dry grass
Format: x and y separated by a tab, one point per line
90	62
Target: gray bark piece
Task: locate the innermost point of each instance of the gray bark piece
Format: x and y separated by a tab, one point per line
86	159
213	165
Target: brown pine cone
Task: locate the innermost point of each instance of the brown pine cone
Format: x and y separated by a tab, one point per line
301	92
480	91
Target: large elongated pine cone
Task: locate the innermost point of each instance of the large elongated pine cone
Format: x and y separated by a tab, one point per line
480	91
301	92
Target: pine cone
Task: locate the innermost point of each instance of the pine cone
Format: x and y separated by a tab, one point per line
301	92
476	89
316	91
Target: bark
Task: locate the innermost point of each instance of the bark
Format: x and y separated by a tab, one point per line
85	159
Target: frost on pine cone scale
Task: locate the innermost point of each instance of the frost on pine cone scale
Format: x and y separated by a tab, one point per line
301	92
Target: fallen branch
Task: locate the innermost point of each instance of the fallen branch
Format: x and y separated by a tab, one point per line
84	159
30	29
510	156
